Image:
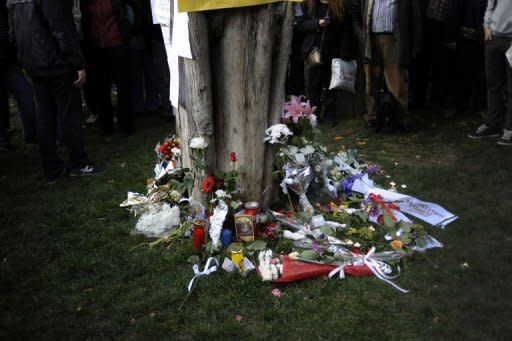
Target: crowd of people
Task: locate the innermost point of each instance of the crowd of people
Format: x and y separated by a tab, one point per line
75	52
447	53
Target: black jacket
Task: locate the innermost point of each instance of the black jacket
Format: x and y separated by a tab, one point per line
338	34
126	28
45	36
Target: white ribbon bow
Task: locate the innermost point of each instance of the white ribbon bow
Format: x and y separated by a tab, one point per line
380	269
206	271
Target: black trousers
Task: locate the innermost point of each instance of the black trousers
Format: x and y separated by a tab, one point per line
56	95
470	75
106	66
499	83
319	78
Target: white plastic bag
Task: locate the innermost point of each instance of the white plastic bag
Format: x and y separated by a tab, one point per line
343	75
509	55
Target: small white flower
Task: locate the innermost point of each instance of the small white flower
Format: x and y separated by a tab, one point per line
313	120
222	194
198	143
371	228
403	186
176	151
357	245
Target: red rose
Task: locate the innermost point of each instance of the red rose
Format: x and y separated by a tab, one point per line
232	157
208	184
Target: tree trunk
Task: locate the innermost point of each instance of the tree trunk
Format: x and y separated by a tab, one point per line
247	57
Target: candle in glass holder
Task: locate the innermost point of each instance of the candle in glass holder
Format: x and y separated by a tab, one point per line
199	235
252	208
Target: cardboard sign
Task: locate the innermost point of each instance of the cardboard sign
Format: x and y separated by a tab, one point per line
206	5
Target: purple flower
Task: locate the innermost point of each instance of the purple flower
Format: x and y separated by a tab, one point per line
348	182
373	169
317	248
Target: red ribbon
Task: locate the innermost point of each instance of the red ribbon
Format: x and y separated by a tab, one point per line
377	198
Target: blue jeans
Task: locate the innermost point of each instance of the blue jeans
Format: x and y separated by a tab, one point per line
14	81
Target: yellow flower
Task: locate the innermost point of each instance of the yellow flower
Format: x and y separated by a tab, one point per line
352	231
397	244
338	138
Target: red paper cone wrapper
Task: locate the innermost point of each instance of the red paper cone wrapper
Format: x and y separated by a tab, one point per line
296	270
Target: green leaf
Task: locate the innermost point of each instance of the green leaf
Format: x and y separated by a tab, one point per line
388	221
327	230
194	259
309	254
258	245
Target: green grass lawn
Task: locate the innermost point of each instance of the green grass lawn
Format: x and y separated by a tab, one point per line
67	268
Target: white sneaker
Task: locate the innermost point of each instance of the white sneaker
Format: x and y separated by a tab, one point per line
506	138
91	119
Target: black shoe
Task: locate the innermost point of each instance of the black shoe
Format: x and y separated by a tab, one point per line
52	180
484	131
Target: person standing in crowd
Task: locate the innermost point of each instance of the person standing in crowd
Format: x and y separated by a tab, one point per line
12	80
326	24
49	49
295	81
498	39
470	55
440	49
144	84
107	32
390	33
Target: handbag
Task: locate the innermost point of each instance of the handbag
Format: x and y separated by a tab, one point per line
343	75
315	55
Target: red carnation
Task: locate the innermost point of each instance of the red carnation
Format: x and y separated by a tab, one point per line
232	157
219	184
208	184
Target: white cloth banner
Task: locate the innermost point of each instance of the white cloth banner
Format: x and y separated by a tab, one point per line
426	211
180	47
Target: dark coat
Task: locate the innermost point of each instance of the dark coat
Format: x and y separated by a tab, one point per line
45	36
338	38
126	28
407	34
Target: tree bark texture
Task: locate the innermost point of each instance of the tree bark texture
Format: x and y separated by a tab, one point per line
235	88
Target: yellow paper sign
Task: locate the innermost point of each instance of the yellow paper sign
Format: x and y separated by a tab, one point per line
206	5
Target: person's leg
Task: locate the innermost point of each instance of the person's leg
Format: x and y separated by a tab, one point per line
121	76
495	65
396	75
162	73
508	113
373	78
46	118
99	68
19	87
69	105
315	87
150	82
137	80
5	140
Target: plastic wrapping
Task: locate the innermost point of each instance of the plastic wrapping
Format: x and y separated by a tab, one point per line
297	178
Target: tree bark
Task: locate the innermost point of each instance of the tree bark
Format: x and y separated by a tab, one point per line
247	58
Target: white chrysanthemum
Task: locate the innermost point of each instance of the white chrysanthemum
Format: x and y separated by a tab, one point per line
278	133
307	150
198	143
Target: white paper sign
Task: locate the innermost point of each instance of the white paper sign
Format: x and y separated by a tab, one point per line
426	211
161	12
